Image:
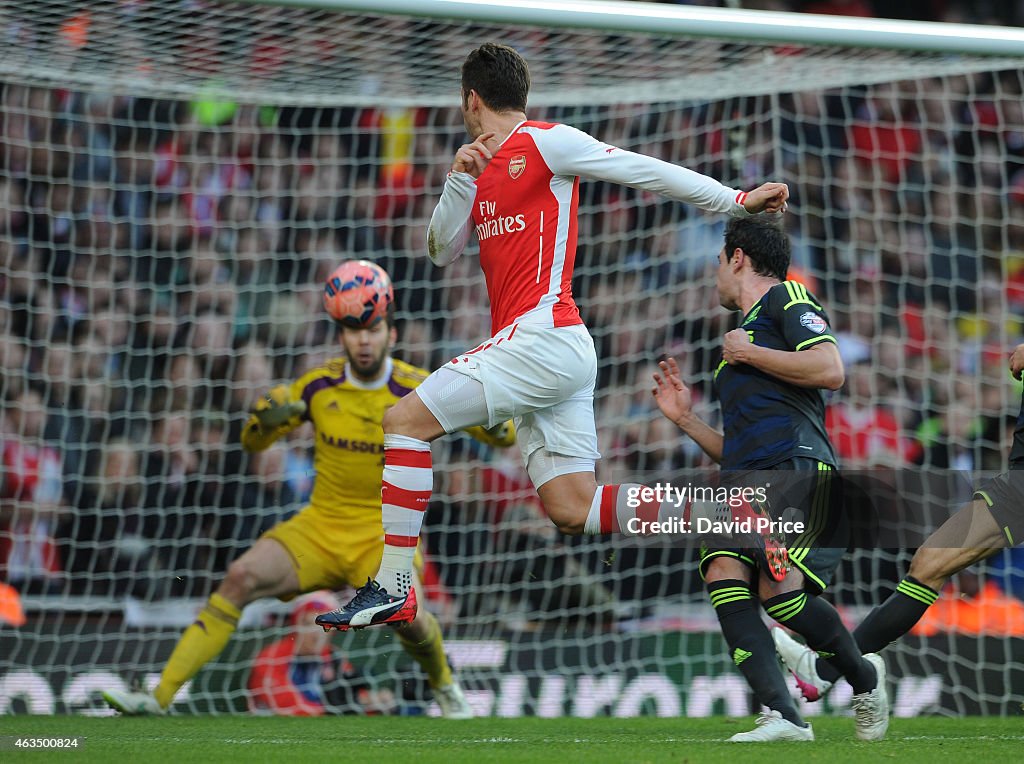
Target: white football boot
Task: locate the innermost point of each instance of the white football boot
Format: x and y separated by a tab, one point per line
802	663
133	703
452	701
771	727
871	709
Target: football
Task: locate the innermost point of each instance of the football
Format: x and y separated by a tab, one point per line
358	294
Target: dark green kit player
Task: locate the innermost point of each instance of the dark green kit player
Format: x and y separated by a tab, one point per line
994	520
771	384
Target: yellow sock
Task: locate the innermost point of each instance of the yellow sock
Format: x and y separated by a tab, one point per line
201	642
429	652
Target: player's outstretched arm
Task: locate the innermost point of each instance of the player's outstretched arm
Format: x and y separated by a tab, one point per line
568	151
449	229
676	403
819	366
274	415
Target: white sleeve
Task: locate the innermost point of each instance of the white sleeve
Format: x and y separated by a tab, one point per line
568	151
450	224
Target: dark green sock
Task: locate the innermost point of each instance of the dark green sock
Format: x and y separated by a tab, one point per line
751	646
819	624
887	622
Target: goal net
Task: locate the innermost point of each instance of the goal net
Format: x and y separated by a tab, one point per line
178	178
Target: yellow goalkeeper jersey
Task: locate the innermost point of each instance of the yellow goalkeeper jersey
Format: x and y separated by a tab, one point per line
349	443
347	416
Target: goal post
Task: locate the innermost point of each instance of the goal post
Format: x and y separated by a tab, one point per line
175	183
616	16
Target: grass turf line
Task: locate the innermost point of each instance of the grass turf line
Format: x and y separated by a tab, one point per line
206	738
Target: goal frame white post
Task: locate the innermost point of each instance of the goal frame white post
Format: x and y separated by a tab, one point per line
720	23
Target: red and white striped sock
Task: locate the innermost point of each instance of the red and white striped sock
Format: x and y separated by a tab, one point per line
615	505
405	494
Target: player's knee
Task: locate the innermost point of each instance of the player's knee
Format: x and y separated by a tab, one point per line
398	420
929	568
570	527
569	518
393	420
715	570
567	500
240	582
725	568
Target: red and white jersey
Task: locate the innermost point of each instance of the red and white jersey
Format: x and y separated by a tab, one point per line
523	210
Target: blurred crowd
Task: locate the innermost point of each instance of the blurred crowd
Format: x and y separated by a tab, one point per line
161	263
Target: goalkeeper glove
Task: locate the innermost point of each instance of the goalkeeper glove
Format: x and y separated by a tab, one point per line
501	435
274	409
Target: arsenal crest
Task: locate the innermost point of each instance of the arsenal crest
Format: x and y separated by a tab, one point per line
516	166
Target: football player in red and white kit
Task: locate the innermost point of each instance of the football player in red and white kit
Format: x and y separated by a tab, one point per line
516	186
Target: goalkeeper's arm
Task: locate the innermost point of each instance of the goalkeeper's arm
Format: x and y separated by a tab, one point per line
500	436
274	415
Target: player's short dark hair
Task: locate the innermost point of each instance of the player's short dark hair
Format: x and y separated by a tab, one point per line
763	241
499	75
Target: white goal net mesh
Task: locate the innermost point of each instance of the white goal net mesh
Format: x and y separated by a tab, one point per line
177	179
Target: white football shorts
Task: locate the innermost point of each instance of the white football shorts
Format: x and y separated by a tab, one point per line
540	377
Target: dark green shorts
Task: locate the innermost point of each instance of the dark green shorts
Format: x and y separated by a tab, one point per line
1004	495
802	490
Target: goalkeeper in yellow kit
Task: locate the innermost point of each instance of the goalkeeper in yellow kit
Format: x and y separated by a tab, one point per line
338	539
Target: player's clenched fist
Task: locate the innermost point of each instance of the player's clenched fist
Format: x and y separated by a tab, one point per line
473	157
769	197
735	346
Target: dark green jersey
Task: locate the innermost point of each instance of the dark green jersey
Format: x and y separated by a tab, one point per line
766	420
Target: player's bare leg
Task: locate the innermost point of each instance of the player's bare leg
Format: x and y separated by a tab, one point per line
567	500
577	504
969	536
411	418
265	570
422	640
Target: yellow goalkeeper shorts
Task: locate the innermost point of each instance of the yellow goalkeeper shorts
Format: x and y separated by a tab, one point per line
331	552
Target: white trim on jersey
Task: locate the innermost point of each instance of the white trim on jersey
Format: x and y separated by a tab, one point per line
561	188
540	246
571	152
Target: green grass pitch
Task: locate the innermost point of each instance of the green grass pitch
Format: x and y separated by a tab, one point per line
353	739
